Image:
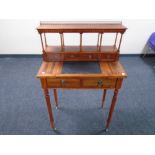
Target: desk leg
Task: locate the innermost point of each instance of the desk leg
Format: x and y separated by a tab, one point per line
112	108
56	97
49	106
103	98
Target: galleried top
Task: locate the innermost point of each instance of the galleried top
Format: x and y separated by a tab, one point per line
61	27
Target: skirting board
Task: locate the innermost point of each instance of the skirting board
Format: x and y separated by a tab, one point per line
39	55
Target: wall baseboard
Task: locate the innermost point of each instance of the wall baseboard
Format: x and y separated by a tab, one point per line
140	55
21	55
39	55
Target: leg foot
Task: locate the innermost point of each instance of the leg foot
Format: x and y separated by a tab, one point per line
106	130
52	125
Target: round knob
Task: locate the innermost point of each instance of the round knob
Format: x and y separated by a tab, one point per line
72	56
62	82
100	83
90	56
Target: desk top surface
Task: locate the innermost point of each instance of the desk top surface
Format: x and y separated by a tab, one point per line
106	69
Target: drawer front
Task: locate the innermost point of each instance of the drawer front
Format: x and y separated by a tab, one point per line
89	56
108	57
83	83
71	56
70	83
63	83
81	56
99	83
53	83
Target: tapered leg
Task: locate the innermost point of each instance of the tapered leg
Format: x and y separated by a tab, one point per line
103	98
49	106
112	108
56	97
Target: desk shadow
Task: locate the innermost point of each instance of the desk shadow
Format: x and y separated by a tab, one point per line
146	51
98	132
149	61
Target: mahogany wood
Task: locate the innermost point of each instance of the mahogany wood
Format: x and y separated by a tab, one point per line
58	54
100	46
81	28
112	72
109	70
74	53
116	39
112	108
45	40
42	43
49	107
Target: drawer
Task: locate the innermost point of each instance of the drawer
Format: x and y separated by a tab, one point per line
70	83
63	83
81	56
53	83
99	83
85	83
55	57
71	56
89	56
108	56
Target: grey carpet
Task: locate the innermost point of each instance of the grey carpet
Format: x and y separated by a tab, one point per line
23	109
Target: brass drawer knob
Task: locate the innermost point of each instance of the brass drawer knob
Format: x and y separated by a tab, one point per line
62	82
100	83
89	56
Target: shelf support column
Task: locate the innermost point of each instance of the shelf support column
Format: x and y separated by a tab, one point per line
98	40
81	41
116	39
101	35
45	40
42	44
120	42
62	41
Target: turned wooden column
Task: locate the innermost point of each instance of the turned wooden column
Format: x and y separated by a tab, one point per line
49	106
103	98
112	108
56	97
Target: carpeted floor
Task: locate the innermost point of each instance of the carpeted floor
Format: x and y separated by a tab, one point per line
23	109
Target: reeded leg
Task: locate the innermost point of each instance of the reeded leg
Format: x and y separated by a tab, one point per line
49	106
56	97
111	108
103	98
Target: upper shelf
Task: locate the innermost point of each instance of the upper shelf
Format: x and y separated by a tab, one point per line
81	27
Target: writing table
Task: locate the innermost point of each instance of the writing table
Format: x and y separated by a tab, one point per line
110	72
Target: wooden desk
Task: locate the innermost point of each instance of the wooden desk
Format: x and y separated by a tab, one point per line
111	73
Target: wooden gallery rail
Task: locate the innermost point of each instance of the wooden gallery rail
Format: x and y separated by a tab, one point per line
111	72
